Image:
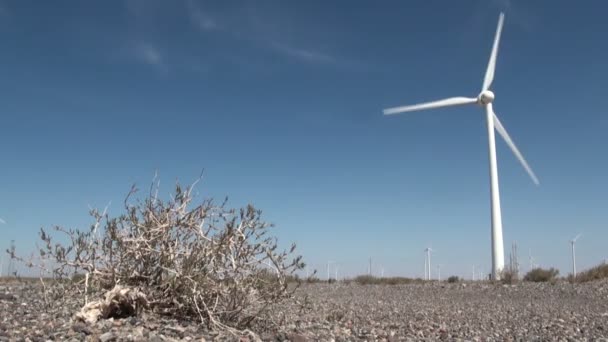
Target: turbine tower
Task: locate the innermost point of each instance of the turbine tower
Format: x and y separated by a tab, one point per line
484	99
425	267
428	251
572	242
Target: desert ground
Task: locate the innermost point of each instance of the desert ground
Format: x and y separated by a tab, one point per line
462	311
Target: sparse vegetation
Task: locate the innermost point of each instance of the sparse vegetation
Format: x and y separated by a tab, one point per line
313	280
204	261
508	277
371	280
453	279
541	275
595	273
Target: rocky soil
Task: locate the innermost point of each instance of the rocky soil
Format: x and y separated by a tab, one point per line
348	312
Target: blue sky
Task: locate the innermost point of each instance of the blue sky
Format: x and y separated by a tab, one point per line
280	102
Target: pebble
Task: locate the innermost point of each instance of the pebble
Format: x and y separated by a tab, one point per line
345	312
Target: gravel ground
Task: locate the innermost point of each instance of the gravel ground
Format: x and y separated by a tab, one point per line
349	312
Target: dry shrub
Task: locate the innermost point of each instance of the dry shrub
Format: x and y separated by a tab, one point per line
204	260
594	273
541	275
508	276
371	280
453	279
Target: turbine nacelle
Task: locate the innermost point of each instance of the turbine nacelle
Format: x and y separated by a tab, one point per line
485	97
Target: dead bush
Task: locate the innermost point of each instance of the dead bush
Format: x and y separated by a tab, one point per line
207	261
509	277
541	275
594	273
371	280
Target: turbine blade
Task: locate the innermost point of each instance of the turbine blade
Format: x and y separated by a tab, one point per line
576	238
503	132
487	81
453	101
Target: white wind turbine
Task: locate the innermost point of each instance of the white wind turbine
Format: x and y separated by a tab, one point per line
484	99
425	267
336	271
572	242
427	262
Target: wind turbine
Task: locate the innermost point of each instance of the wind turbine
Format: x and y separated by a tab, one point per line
439	272
428	251
533	264
572	242
484	99
425	267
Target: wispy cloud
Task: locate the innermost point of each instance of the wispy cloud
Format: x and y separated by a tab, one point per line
244	27
201	19
250	30
3	10
149	54
305	55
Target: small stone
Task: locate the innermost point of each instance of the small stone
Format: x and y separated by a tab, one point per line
107	337
7	296
298	338
80	327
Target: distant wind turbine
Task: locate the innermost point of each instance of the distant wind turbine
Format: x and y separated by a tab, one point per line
572	242
425	267
2	221
484	99
428	251
532	261
439	272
